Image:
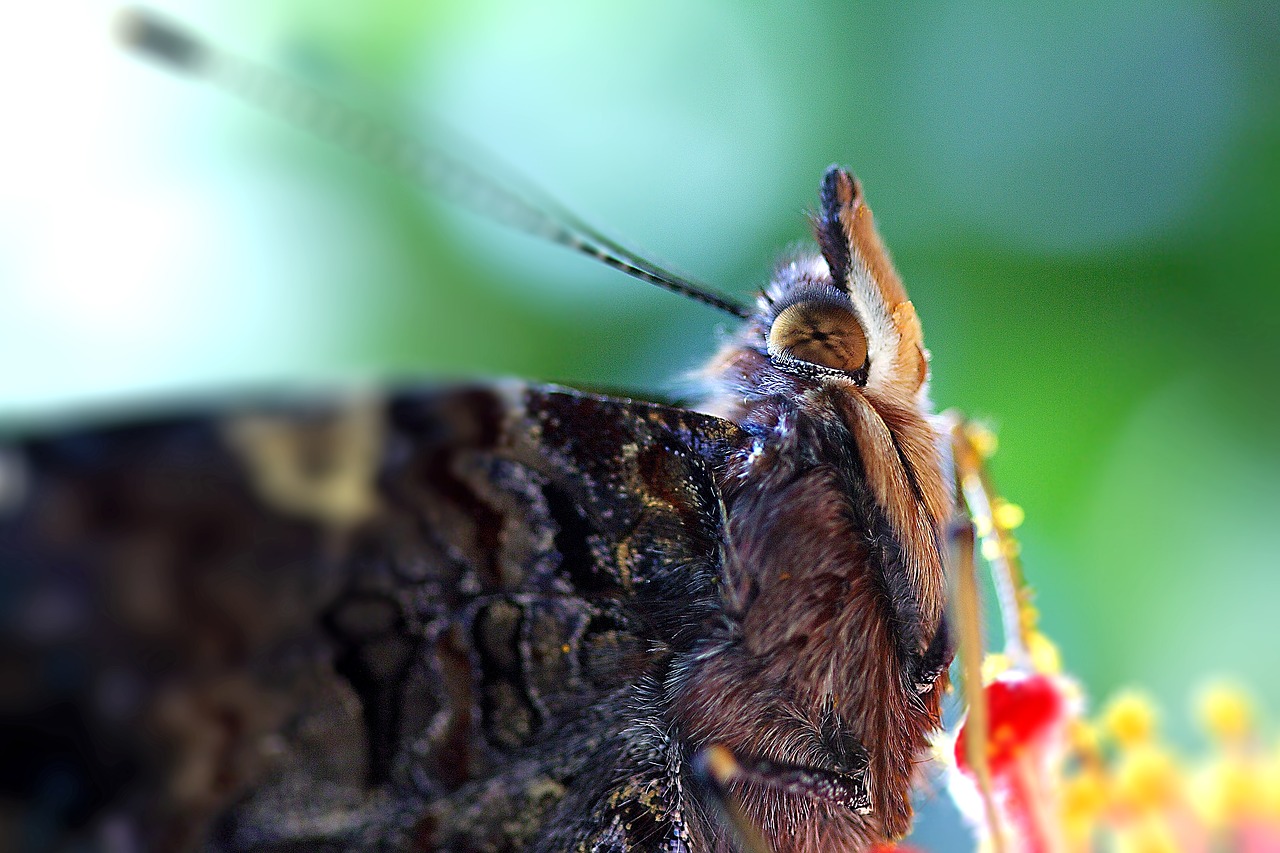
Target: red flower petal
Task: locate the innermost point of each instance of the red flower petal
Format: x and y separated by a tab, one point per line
1023	710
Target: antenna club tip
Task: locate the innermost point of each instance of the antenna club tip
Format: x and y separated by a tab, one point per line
156	38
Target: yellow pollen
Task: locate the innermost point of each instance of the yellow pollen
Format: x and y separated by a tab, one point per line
1228	791
1130	719
1008	516
1226	712
1083	799
1044	654
993	666
984	441
1084	737
1150	835
1147	778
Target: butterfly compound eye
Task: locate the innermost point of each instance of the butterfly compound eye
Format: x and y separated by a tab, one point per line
822	333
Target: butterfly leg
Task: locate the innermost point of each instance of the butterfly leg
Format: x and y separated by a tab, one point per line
982	516
717	767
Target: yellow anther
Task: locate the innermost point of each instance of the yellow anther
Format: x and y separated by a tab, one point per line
982	526
1008	516
1227	791
984	441
1147	778
1044	654
1150	835
1084	737
1269	788
1083	799
1130	719
1225	711
994	665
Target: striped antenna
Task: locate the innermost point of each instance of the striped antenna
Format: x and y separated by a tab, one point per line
525	208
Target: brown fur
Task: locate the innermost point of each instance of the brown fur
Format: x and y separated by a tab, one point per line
819	645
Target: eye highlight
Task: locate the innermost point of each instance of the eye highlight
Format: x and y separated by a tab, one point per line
821	333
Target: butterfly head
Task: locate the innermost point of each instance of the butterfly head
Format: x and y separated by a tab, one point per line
843	316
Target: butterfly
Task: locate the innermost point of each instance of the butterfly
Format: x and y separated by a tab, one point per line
500	616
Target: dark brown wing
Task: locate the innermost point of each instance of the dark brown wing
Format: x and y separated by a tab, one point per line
442	623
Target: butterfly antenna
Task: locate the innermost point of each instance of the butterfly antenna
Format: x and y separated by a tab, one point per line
525	209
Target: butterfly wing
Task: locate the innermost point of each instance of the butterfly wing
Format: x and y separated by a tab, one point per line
445	625
144	590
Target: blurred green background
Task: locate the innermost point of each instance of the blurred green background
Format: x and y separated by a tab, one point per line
1082	199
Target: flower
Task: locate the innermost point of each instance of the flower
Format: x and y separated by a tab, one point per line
1046	778
1027	717
1026	713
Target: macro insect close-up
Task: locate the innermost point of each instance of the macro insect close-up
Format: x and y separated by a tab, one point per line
310	537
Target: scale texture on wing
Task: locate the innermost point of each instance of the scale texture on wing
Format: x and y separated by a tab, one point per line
212	640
